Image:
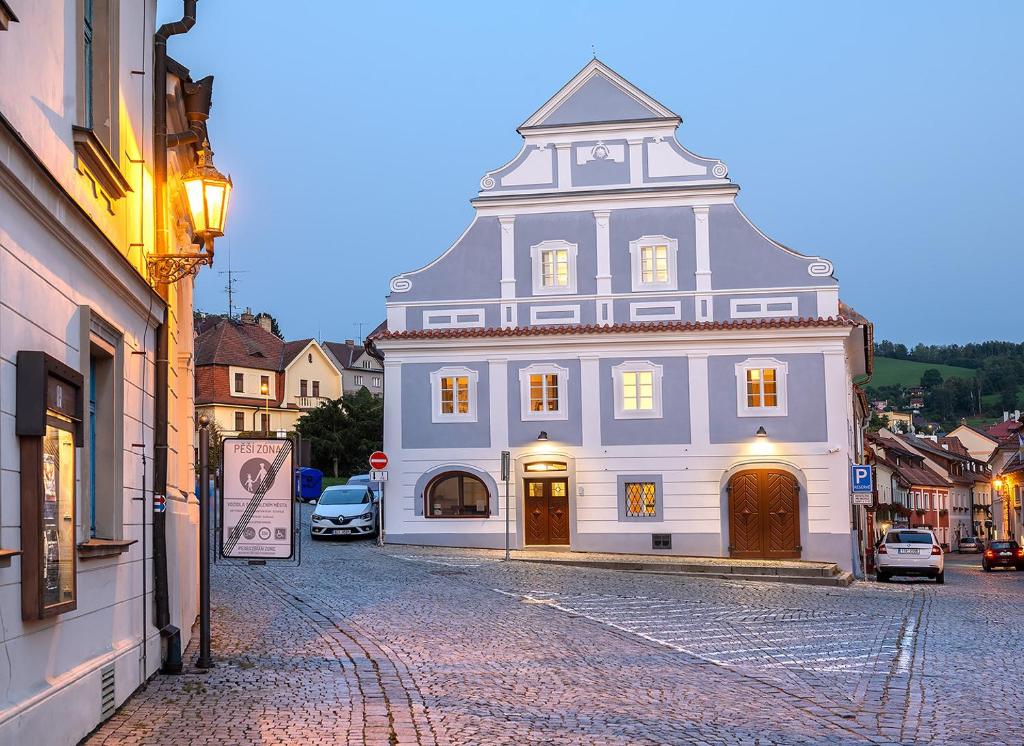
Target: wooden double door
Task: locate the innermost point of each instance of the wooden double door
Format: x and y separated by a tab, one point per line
547	511
764	515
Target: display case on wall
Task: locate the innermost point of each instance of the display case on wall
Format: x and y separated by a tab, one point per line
48	423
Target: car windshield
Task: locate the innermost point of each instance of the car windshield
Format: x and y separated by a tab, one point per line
344	496
908	537
361	479
1001	545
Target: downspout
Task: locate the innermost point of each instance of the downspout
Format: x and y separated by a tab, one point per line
172	661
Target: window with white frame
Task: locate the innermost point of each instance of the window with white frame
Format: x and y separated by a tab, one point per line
637	390
761	388
554	267
543	392
653	260
453	395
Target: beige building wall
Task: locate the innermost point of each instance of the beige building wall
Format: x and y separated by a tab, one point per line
312	364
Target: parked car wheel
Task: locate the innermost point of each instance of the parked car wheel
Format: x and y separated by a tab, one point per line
985	567
941	578
881	577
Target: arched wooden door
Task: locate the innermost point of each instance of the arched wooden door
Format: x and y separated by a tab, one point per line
764	515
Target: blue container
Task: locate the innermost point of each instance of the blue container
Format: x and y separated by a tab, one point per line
309	483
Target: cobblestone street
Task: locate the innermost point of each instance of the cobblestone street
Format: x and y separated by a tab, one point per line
436	646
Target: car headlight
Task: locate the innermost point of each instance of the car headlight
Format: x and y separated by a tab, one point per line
365	516
317	517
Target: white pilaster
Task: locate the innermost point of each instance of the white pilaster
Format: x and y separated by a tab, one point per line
396	318
703	273
636	161
604	253
508	257
393	496
564	173
700	411
837	398
590	385
497	371
828	302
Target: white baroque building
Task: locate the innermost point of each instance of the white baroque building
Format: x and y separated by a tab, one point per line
667	378
97	589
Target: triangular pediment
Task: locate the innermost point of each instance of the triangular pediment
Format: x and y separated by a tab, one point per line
598	94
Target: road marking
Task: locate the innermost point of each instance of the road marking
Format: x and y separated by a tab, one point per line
445	561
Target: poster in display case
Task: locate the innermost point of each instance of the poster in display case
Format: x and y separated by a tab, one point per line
48	424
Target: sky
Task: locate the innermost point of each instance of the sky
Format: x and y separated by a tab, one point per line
883	136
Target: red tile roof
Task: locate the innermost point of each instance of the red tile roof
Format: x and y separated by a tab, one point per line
230	342
1003	430
634	326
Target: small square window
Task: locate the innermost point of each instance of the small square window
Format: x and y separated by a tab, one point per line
640	500
661	541
761	388
554	267
239	421
239	383
637	390
543	392
653	263
453	395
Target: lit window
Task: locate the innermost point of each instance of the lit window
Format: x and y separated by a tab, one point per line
637	390
453	395
640	500
543	392
653	264
457	495
554	267
653	260
761	388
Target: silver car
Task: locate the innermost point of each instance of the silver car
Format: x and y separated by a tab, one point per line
345	509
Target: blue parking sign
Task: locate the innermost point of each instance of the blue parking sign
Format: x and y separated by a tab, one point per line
860	478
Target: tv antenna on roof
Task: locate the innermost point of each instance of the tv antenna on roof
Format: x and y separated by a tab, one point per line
230	287
360	325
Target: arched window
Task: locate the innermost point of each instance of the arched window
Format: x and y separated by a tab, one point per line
457	494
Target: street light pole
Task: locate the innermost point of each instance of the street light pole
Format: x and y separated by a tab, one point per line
204	661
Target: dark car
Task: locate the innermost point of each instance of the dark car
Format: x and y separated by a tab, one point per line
1002	554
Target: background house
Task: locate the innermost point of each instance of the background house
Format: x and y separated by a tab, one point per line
358	368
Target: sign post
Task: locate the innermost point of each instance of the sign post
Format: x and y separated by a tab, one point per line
204	660
378	463
258	497
862	485
506	464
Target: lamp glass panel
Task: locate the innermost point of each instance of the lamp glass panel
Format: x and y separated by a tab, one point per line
196	204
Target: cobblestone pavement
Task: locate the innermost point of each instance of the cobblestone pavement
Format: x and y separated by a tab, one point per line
437	646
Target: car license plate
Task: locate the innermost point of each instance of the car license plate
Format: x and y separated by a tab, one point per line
907	551
1004	554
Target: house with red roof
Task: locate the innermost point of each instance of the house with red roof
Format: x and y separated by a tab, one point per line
664	377
248	379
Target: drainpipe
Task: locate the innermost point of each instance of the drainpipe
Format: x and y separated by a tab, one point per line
172	662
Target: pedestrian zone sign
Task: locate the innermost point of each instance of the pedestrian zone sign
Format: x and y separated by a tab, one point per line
257	500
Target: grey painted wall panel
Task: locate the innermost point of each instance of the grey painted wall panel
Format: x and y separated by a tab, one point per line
598	100
599	172
472	269
690	157
418	429
674	424
621	306
628	225
575	227
806	421
568	432
414	314
742	258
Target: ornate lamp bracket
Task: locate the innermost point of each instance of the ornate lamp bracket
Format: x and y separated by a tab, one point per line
166	269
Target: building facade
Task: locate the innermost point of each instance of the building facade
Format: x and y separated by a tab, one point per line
250	380
96	367
665	377
359	369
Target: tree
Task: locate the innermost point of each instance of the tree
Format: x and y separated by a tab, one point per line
931	378
344	432
877	422
216	441
275	328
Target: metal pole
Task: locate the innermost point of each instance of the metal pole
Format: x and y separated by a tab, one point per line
380	516
506	467
204	661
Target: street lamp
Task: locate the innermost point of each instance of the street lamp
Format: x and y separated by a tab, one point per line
265	391
761	432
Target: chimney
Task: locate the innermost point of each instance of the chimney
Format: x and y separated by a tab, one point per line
265	322
1016	415
1006	415
247	317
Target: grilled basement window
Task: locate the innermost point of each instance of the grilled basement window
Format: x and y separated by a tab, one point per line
661	541
641	500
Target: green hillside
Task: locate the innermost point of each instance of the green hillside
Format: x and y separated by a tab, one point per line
889	371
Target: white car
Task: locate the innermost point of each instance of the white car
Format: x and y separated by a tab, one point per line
910	551
345	509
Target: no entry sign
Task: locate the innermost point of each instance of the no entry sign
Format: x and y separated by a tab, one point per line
378	460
